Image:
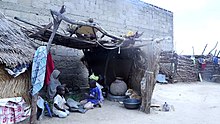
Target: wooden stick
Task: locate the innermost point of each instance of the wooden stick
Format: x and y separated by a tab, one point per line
214	47
94	25
57	22
34	98
204	49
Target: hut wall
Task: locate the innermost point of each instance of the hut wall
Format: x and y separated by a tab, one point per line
13	87
73	71
116	16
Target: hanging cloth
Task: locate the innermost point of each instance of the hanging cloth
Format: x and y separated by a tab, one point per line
49	68
38	69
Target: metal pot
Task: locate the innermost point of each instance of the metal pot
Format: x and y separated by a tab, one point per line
131	103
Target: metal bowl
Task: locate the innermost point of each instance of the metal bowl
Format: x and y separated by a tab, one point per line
131	103
116	98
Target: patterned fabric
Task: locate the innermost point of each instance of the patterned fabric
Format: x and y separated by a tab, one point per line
17	70
13	110
38	69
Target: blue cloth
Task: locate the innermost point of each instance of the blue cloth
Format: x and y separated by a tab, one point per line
215	60
201	60
38	69
17	70
96	93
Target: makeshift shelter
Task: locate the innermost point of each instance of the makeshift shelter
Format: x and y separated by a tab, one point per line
107	54
16	53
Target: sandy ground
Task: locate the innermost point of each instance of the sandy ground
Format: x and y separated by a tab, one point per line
194	103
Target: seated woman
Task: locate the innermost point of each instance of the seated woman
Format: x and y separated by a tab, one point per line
60	106
94	98
54	82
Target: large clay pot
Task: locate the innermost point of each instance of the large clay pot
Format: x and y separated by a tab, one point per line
118	87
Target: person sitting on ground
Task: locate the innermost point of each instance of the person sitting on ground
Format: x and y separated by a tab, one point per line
59	105
94	98
54	82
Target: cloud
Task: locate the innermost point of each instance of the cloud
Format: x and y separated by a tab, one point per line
196	23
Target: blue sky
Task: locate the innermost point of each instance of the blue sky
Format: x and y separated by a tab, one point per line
196	23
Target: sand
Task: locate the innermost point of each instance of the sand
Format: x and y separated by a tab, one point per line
194	103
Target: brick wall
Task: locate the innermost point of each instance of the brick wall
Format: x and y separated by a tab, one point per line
116	16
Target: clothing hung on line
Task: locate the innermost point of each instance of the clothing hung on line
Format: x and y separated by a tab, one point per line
38	69
49	68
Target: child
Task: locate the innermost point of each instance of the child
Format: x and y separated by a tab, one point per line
94	97
60	105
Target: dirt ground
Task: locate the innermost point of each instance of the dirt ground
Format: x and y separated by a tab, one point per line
194	103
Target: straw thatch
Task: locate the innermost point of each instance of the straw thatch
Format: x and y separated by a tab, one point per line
13	87
15	46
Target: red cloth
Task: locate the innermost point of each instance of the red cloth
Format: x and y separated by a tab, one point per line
203	66
49	68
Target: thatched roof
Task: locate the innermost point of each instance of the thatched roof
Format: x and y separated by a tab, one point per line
15	46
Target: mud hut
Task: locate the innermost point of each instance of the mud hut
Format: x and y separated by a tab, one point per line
16	51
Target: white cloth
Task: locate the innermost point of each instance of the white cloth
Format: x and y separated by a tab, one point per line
40	102
89	105
62	114
73	103
100	90
38	69
3	102
60	101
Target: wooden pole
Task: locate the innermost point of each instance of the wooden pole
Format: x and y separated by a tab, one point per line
204	49
57	22
33	117
213	48
151	54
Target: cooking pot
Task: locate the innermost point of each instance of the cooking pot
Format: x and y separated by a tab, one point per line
131	103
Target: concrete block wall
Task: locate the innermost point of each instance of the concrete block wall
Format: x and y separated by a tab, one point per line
116	16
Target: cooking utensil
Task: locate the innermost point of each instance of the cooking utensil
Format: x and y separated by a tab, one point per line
131	103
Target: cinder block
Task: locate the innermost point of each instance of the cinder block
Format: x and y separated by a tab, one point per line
30	17
12	13
10	1
38	4
2	11
57	2
25	2
43	19
53	7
